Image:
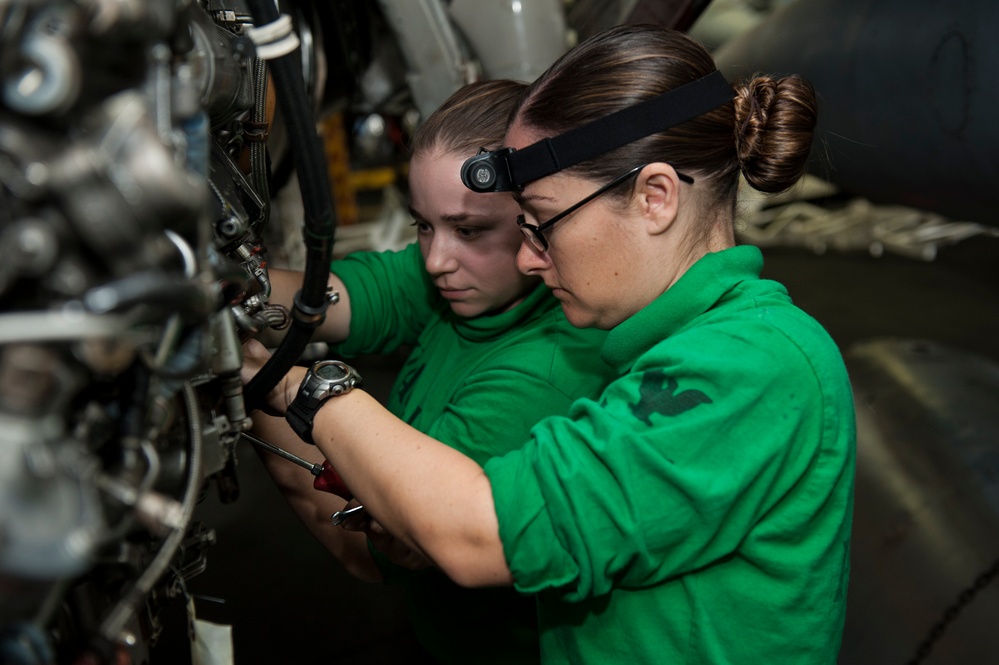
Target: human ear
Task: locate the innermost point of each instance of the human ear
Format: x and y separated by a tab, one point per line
658	195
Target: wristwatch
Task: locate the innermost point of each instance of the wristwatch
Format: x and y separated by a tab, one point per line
325	379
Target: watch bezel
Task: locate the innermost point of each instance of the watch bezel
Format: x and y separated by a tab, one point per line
327	388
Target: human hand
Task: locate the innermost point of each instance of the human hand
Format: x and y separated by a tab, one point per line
394	549
255	355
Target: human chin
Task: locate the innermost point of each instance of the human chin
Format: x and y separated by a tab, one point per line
467	308
577	317
580	317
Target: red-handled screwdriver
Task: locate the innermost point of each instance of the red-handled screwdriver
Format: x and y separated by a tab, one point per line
326	477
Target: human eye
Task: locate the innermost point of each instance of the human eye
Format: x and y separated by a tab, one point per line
469	232
422	228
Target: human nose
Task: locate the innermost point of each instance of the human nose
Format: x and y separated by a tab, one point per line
530	260
441	258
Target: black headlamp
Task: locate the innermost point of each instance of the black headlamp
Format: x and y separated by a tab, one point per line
509	170
488	172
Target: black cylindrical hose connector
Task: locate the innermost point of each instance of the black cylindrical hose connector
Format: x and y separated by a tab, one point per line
319	218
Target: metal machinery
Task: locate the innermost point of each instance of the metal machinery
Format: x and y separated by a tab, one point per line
134	193
138	143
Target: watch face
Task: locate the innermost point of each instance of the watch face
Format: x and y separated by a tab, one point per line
329	372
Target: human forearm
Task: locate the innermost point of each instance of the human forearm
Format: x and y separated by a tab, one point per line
428	495
336	326
431	497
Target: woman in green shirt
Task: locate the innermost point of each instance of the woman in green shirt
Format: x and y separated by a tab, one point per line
699	510
492	354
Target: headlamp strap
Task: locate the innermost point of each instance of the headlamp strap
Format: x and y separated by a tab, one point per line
599	137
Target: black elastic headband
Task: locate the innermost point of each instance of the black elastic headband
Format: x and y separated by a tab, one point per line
510	170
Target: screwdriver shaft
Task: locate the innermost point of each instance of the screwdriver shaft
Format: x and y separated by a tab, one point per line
314	469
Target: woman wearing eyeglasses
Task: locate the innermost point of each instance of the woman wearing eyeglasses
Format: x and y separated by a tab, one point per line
491	355
699	510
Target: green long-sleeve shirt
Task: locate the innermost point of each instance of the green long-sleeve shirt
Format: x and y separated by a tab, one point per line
477	384
699	510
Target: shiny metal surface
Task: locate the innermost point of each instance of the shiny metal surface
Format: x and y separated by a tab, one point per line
532	35
926	518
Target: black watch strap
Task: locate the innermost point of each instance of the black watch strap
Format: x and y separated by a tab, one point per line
300	418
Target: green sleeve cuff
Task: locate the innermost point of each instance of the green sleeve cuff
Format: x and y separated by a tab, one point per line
533	550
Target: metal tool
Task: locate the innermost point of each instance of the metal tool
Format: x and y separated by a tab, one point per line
327	479
340	516
314	469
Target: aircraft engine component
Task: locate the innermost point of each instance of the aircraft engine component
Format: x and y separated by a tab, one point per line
906	96
137	139
513	39
448	44
926	518
133	193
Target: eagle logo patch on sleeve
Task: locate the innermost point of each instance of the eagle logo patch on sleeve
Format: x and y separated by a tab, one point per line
658	394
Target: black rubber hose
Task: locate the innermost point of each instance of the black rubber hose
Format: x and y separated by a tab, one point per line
319	223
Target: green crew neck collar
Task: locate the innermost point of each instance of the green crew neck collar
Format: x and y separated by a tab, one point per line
697	291
484	327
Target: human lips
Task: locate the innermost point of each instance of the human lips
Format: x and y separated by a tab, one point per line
556	290
452	293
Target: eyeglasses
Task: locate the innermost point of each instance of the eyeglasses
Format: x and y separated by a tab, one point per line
535	232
